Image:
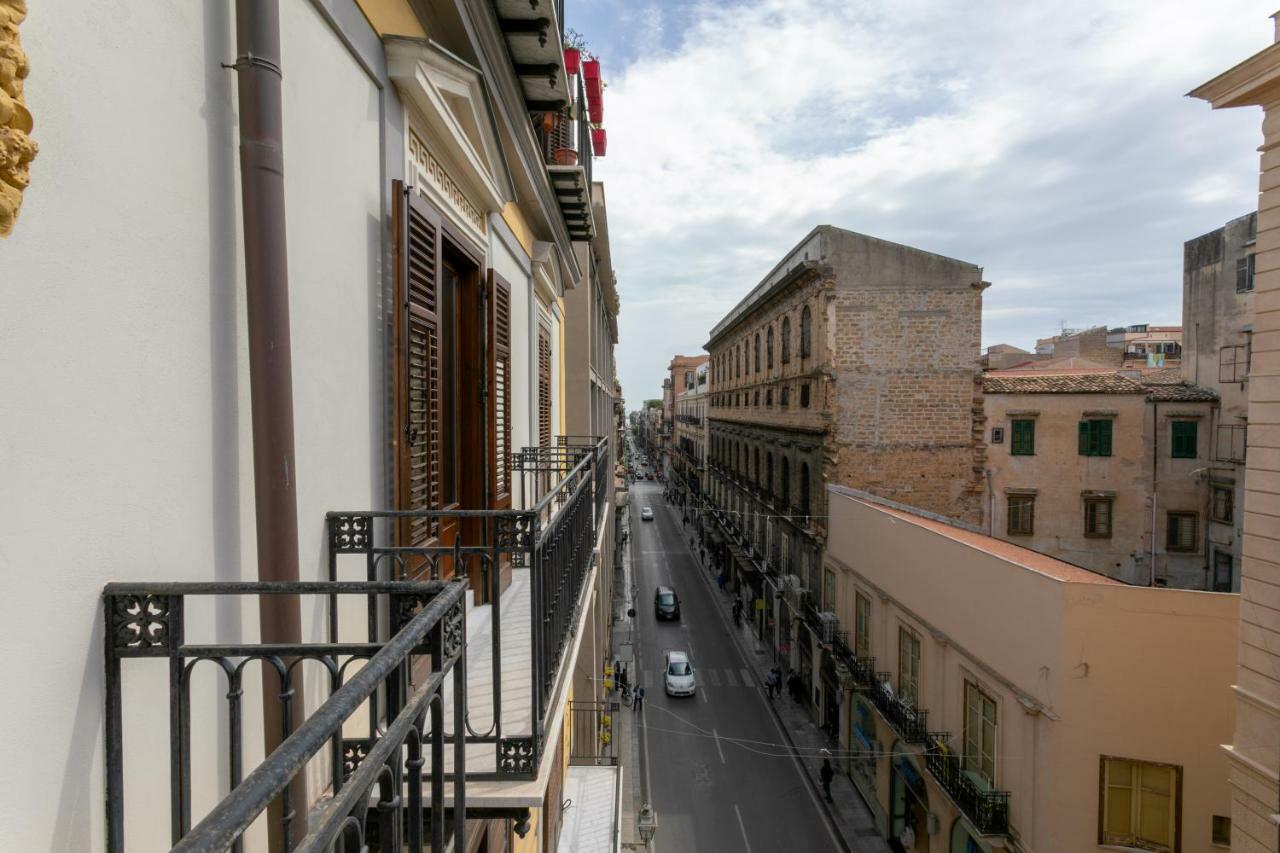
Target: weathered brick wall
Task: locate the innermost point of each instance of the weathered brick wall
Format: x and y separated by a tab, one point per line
907	403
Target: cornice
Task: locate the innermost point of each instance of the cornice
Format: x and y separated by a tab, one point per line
1254	82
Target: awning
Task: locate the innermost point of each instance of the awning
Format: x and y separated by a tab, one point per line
592	818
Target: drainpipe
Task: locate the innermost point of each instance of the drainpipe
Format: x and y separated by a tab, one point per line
1155	482
258	75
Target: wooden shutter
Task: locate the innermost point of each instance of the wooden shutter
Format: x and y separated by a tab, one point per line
1084	438
416	331
1104	438
544	386
499	391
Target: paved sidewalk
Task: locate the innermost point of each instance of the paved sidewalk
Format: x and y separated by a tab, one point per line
848	811
626	734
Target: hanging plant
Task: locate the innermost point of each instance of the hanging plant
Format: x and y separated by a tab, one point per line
574	46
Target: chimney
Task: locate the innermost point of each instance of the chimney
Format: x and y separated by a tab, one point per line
1276	18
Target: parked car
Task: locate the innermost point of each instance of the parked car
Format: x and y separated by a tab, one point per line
679	675
646	514
666	604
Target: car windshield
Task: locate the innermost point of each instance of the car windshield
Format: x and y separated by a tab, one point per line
679	667
667	598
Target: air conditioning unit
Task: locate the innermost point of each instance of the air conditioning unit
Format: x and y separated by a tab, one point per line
828	624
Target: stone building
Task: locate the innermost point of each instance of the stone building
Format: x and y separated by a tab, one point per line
689	447
855	361
680	382
1217	314
1255	762
1104	470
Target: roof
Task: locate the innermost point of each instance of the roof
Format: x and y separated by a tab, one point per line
1007	551
1183	392
1059	382
1162	376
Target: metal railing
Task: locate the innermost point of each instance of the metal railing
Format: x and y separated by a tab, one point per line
553	539
987	810
148	621
592	741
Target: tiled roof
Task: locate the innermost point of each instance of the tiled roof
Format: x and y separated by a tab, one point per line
1060	383
1162	376
1181	392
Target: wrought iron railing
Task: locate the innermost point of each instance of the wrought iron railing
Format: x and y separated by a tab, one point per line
592	741
149	621
987	810
552	540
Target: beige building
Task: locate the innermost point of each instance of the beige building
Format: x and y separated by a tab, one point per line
1105	471
681	382
1255	764
996	698
691	435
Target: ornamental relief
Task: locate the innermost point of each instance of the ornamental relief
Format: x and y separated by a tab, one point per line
425	167
17	148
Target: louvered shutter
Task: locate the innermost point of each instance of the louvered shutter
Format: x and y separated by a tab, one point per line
544	386
1104	438
1084	438
500	391
417	228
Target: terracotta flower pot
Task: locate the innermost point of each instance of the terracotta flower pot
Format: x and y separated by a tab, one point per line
599	141
566	157
572	60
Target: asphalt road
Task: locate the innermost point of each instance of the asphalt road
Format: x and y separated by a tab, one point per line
719	778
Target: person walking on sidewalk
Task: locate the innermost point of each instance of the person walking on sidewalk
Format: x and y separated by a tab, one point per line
637	704
772	682
826	774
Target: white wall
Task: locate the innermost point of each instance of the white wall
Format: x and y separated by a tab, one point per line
125	442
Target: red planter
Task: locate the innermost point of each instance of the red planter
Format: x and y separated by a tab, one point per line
591	69
572	60
599	140
595	100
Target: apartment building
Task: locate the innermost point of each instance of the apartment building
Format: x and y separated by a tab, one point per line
1255	764
994	698
854	361
689	378
326	348
1109	471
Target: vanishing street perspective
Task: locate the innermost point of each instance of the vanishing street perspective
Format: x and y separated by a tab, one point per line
941	514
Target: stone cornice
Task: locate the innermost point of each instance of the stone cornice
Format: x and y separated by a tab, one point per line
1254	82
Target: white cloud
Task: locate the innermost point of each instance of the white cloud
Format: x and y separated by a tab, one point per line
1049	142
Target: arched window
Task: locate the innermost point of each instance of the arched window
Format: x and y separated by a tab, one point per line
757	352
768	473
768	349
756	467
806	333
786	483
804	490
786	340
737	361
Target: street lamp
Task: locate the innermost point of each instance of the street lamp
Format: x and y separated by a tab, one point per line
647	823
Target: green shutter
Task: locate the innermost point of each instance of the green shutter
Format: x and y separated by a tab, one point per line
1104	438
1023	440
1184	440
1084	438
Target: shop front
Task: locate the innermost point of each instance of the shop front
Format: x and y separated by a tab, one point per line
909	801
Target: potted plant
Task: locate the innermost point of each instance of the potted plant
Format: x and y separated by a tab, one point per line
599	141
574	45
566	157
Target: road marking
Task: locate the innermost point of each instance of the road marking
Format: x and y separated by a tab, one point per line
742	826
703	694
712	677
746	678
719	749
729	679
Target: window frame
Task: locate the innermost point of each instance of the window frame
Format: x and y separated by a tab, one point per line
1133	837
1246	266
768	348
806	333
786	340
909	652
1022	437
1092	502
1194	519
1184	439
979	765
1095	437
1030	501
1229	503
861	626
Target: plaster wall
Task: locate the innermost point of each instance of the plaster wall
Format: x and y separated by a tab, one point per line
130	455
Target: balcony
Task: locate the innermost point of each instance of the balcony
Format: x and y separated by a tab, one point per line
987	810
368	690
534	33
565	139
532	569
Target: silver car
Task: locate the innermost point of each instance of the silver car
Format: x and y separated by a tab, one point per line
646	514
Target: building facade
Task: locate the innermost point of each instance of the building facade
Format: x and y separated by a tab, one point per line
688	375
994	698
1107	471
419	368
1255	764
854	361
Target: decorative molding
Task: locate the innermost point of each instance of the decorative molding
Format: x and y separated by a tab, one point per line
17	148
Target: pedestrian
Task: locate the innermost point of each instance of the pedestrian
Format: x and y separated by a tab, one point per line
638	704
721	580
771	682
702	552
826	774
793	687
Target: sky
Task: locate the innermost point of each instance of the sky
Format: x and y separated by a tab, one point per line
1050	143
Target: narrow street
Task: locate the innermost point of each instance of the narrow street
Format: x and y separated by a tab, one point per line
719	774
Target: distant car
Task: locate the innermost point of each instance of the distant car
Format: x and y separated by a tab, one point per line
666	604
679	675
646	514
649	476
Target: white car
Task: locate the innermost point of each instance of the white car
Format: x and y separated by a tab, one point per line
679	675
646	514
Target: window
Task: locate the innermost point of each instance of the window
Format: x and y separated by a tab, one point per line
786	340
1095	437
861	626
804	395
1139	804
756	467
1183	444
786	482
768	397
768	473
804	491
1232	442
979	733
829	590
757	352
1022	515
1244	274
1097	517
908	666
768	349
1223	569
1180	531
1233	363
784	396
1023	439
737	361
1223	505
806	333
1222	830
756	398
997	435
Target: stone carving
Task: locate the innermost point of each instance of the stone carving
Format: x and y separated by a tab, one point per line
17	148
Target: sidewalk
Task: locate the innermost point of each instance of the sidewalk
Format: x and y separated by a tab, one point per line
626	735
848	812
